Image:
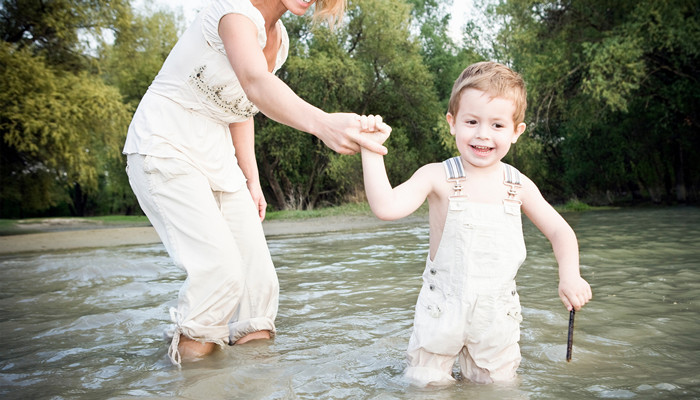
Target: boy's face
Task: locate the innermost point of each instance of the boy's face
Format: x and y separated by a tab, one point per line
484	128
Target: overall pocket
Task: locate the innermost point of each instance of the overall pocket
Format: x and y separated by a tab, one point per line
438	323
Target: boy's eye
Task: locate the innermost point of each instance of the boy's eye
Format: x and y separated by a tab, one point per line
471	122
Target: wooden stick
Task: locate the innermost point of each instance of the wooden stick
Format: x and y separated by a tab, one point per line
570	339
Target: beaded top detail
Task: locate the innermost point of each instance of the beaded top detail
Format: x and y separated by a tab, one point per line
239	106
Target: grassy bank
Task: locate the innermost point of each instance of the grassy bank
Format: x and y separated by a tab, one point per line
32	225
47	224
345	209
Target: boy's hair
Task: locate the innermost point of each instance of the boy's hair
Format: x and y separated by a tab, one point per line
330	11
495	79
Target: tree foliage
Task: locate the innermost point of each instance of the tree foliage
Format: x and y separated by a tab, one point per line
54	125
141	44
59	123
371	65
613	94
73	71
612	89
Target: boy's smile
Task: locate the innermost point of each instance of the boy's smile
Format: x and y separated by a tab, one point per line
482	149
484	128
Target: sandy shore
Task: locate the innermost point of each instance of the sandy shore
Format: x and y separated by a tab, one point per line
64	234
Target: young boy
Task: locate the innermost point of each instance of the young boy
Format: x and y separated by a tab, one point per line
468	306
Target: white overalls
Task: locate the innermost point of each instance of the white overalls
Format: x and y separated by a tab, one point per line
468	305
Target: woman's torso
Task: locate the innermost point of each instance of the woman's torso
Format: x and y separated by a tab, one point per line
187	108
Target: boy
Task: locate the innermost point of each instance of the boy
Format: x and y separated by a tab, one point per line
468	306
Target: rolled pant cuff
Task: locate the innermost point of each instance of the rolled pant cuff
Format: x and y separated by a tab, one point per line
238	330
426	376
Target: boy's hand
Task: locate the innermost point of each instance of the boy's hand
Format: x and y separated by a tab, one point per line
575	293
377	130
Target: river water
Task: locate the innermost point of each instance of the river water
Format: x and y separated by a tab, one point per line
88	324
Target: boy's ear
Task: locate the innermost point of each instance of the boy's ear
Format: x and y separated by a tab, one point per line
451	122
518	131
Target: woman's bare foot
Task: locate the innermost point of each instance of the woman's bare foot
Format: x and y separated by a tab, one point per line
191	350
253	336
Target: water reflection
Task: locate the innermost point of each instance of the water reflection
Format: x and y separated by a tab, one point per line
88	324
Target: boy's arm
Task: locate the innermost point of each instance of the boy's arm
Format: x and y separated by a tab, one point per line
389	203
243	136
574	291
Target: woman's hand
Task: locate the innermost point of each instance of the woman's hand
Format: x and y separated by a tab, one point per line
258	198
243	138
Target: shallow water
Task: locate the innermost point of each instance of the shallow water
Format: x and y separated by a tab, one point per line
88	324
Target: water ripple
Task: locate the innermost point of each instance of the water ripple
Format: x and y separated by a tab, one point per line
88	324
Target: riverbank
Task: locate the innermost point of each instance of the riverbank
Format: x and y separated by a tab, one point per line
69	234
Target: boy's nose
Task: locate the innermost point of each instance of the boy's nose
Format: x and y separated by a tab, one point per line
482	132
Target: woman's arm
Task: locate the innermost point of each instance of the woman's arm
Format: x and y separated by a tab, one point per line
339	131
243	136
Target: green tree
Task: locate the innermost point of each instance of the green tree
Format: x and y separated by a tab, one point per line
59	122
613	95
140	46
58	29
646	69
58	130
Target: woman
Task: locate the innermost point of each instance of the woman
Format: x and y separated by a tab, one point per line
191	164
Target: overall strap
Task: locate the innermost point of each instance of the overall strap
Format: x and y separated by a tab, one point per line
453	168
511	179
455	173
512	175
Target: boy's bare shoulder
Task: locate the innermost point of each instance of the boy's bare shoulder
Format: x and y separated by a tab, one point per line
427	176
434	176
432	169
530	191
527	182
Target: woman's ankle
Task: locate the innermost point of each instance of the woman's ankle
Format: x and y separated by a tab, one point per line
254	336
192	350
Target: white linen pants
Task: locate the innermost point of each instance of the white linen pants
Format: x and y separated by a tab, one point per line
231	288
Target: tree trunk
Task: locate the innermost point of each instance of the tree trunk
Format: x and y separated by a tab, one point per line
79	201
311	193
681	193
268	170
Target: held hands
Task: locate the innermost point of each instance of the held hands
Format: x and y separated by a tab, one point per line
375	129
346	133
574	292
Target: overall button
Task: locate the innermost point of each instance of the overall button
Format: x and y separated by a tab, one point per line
431	287
433	271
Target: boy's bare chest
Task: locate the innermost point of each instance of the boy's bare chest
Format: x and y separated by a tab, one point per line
488	191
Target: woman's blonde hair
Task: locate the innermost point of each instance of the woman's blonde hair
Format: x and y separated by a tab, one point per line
330	11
